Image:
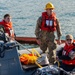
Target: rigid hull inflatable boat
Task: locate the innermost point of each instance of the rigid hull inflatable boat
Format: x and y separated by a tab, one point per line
10	63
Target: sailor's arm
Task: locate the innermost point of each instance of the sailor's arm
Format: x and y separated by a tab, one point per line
38	25
72	54
59	33
62	57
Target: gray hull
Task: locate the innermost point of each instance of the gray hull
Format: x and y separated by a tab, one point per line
10	63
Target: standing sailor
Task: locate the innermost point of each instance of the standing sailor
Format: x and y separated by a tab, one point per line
47	24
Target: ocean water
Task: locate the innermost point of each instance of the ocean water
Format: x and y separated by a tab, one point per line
26	12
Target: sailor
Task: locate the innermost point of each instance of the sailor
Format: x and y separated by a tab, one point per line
6	22
46	25
67	54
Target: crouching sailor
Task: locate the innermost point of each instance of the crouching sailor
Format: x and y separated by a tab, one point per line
7	24
67	54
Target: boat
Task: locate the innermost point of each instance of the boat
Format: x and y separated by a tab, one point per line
10	63
30	40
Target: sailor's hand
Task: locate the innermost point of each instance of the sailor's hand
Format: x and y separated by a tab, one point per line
72	54
12	38
59	41
55	58
38	41
7	35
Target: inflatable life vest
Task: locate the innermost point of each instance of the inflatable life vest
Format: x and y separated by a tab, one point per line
48	23
28	59
66	51
8	28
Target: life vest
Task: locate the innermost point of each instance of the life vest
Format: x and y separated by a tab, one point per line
66	51
28	59
8	28
48	23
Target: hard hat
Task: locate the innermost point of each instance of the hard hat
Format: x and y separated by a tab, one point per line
49	6
69	36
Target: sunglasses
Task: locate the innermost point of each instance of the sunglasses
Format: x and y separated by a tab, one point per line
69	39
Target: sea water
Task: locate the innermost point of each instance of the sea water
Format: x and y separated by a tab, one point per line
26	12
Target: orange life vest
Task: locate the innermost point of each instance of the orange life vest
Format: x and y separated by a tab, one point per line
8	27
66	51
28	59
48	23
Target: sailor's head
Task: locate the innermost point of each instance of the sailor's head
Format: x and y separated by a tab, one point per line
49	5
7	18
69	39
49	8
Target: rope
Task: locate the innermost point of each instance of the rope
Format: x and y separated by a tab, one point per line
57	63
38	64
33	50
23	46
30	58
